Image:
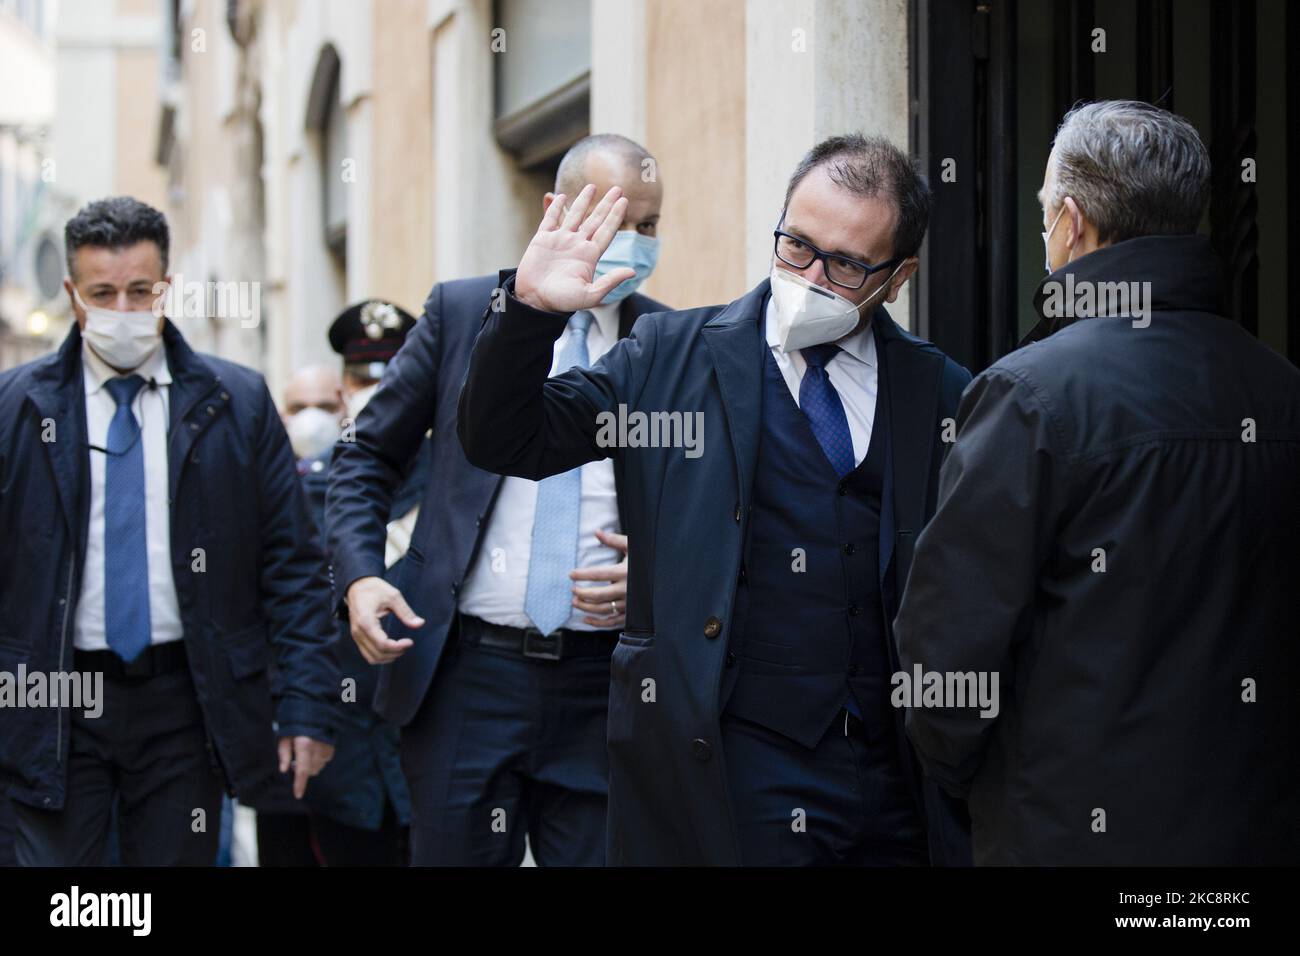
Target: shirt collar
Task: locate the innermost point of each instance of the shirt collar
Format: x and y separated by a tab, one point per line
607	318
861	344
95	371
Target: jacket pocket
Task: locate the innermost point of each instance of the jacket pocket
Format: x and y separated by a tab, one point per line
247	652
636	638
633	692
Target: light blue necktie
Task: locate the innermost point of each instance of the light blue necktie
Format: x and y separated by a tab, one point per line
126	560
554	551
825	412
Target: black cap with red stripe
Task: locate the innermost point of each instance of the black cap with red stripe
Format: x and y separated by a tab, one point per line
368	334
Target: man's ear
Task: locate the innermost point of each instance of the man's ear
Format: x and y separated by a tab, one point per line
905	272
79	315
1078	223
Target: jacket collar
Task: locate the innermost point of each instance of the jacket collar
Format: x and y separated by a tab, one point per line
1184	272
58	393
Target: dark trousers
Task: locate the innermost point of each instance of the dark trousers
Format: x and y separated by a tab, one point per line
504	746
147	750
838	803
313	839
6	832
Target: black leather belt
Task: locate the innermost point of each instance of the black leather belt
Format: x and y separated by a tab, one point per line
153	660
531	643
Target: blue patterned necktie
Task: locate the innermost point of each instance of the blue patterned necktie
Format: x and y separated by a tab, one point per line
126	560
548	600
821	403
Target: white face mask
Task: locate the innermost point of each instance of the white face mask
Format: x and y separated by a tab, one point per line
1047	249
807	314
122	339
311	431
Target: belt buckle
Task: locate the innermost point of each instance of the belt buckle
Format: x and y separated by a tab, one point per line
552	645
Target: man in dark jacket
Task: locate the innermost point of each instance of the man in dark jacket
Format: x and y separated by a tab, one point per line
1118	540
501	689
157	544
792	453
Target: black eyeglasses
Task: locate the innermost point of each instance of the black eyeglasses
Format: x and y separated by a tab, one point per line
840	270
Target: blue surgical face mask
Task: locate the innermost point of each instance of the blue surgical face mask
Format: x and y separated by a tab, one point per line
629	249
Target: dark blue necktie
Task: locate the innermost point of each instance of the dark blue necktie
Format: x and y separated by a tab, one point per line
821	403
126	560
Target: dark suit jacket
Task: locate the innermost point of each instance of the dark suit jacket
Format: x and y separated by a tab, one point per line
668	791
235	494
418	392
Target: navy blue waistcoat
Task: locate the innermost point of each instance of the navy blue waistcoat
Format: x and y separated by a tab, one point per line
810	622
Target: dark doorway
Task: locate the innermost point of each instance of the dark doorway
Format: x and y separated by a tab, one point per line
991	81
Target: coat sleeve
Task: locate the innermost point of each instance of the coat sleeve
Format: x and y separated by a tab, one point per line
294	589
365	474
976	567
514	420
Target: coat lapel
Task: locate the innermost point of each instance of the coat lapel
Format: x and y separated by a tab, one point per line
193	380
732	337
59	396
912	384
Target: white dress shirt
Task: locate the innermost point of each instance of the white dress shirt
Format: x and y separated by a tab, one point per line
151	409
853	373
498	580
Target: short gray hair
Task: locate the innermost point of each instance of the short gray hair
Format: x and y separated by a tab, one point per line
1133	168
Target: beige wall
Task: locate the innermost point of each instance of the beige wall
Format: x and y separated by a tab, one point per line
695	126
402	158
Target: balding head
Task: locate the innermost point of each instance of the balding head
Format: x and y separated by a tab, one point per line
316	385
608	160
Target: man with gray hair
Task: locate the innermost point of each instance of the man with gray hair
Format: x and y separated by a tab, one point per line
1118	536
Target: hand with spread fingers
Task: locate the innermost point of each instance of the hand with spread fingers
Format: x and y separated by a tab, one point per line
557	269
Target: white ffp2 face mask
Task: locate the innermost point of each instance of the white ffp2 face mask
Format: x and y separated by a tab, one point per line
807	314
311	431
122	339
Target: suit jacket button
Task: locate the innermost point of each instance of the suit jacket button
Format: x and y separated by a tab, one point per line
701	749
737	514
455	586
731	658
712	627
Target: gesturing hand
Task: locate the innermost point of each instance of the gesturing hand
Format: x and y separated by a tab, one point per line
555	273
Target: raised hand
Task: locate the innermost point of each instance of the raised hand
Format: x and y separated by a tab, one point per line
556	272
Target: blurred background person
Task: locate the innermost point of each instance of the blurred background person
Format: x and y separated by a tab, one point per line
358	810
313	408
